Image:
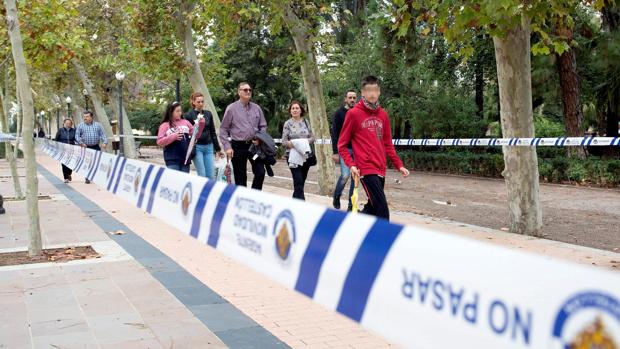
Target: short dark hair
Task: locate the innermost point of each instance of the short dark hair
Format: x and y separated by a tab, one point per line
88	112
370	80
301	106
349	91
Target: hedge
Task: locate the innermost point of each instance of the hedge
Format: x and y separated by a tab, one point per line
559	169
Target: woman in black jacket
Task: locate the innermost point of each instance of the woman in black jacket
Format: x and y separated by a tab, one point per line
207	144
66	135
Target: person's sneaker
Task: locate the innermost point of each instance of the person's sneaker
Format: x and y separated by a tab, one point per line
336	203
87	181
67	180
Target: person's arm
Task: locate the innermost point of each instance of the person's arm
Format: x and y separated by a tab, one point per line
336	128
58	136
286	135
389	147
104	138
225	128
78	135
344	139
262	123
163	139
212	134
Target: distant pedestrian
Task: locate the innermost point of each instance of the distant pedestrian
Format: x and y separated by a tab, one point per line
174	135
207	144
66	135
90	134
297	137
242	120
338	120
367	128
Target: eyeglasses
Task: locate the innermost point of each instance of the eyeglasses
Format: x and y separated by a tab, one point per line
245	89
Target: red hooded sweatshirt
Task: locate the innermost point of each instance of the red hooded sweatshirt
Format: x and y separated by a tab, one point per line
370	136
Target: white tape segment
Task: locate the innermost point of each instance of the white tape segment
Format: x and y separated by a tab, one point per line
416	287
492	142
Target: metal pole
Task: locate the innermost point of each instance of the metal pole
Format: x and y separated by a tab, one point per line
49	125
57	118
120	118
178	90
69	111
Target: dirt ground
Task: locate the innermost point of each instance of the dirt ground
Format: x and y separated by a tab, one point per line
577	215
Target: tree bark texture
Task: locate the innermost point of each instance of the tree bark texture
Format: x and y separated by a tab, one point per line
99	110
8	149
314	95
23	86
196	79
512	54
571	103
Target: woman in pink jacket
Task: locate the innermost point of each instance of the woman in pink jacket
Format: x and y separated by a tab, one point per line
174	135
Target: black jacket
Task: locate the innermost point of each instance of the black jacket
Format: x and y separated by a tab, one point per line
65	135
208	135
337	123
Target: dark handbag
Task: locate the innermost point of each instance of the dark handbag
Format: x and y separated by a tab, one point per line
311	160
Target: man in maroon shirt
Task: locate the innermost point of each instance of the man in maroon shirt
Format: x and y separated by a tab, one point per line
367	128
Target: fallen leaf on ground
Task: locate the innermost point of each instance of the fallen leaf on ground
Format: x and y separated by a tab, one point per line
118	232
504	229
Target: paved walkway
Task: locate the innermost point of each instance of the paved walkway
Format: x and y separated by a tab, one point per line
134	296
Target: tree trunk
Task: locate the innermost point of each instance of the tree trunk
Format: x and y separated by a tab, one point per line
99	110
196	79
23	86
569	85
129	144
512	55
479	85
8	150
304	44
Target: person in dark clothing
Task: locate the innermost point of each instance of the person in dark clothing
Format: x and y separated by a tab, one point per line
41	133
66	135
207	144
338	120
174	135
367	129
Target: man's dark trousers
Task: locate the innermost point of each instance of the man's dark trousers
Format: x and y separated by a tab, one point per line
377	203
241	155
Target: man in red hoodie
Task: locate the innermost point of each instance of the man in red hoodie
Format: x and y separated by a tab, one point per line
367	129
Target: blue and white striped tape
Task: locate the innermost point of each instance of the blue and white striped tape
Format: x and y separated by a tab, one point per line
416	287
496	142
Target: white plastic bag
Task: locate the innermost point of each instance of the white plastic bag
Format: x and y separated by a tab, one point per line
224	171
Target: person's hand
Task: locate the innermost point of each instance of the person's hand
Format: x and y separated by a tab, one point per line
355	172
229	153
104	145
336	158
179	135
201	121
404	171
255	141
220	154
290	145
83	145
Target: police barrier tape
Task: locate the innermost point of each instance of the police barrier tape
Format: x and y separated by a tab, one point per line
416	287
518	142
487	142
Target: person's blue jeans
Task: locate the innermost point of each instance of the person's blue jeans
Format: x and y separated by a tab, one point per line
205	161
178	167
345	174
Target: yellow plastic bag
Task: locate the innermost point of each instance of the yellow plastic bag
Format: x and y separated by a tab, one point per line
355	196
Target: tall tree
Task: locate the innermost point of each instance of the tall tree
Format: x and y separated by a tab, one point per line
8	149
23	86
